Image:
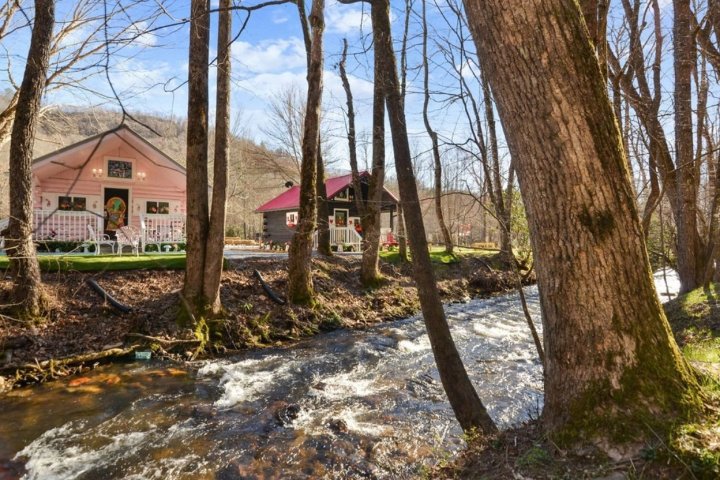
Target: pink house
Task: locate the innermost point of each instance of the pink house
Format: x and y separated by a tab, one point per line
111	180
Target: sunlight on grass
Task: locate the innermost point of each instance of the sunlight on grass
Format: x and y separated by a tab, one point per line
438	255
93	263
707	351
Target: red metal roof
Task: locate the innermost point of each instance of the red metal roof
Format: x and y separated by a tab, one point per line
291	197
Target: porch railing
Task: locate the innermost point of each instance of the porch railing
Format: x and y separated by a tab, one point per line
65	226
159	229
3	225
342	237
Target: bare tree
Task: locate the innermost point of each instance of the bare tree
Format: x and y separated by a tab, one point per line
435	145
216	230
469	410
27	293
73	62
323	227
300	288
197	160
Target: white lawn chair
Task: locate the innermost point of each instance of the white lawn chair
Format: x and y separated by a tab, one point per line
99	239
128	236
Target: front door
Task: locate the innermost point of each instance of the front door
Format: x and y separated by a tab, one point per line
116	209
341	217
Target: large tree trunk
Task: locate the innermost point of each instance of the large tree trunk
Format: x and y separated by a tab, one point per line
323	211
369	268
27	286
612	366
435	146
689	249
300	288
216	233
197	159
466	404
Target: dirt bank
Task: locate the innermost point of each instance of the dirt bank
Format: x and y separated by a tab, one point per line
81	323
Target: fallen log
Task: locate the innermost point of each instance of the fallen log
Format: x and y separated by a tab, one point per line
107	297
82	358
269	291
163	341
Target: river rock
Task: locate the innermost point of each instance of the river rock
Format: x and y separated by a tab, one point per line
287	414
203	411
337	425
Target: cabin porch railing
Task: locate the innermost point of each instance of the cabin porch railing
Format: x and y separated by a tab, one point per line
65	226
163	229
341	237
3	225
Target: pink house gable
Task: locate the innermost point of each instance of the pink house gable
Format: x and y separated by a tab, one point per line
116	161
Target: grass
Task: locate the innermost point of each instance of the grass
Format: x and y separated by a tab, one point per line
695	321
439	256
93	263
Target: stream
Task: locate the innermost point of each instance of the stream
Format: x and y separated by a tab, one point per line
346	404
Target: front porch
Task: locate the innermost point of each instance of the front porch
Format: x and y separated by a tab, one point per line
163	233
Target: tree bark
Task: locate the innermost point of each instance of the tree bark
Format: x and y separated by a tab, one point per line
216	232
351	135
300	288
27	286
437	162
401	235
689	248
612	366
197	159
369	266
466	404
323	212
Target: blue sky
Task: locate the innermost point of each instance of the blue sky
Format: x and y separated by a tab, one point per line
267	58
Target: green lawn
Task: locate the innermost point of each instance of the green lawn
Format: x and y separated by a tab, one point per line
92	263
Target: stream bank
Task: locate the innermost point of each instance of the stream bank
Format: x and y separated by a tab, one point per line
80	323
347	404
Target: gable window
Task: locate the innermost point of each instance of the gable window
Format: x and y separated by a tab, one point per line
154	207
344	194
71	203
119	169
291	219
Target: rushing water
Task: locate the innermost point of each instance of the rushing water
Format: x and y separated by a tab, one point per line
348	404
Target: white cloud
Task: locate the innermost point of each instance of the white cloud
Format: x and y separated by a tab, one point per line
345	19
279	19
144	38
277	55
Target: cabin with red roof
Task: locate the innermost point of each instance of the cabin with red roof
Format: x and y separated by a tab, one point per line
280	215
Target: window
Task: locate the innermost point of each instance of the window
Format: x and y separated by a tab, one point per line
72	203
154	207
120	169
65	203
345	194
291	219
79	204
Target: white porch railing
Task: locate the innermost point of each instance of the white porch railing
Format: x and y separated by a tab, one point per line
3	225
343	236
65	226
159	229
